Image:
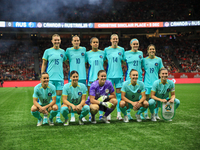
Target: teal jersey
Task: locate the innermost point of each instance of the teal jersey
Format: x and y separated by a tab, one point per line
151	67
44	95
55	59
74	95
162	91
134	61
95	60
114	57
77	61
133	92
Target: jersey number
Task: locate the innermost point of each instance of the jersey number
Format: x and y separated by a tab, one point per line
96	62
135	63
114	59
57	61
133	96
78	61
151	70
44	101
75	101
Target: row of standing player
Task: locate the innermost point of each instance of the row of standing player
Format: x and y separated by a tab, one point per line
114	54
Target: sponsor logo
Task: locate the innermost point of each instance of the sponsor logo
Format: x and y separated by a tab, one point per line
170	76
197	76
39	25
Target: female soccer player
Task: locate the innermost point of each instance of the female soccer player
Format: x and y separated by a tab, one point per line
74	96
102	97
152	64
131	91
44	91
55	57
133	59
160	93
115	56
96	59
76	56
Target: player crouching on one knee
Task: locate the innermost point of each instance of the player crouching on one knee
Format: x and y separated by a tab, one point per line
44	91
131	92
160	93
101	97
74	96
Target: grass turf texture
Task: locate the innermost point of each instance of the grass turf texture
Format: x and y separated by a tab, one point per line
18	128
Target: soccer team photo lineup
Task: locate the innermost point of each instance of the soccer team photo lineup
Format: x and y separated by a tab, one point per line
97	84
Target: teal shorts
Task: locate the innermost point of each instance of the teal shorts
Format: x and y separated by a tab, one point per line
89	83
116	81
58	84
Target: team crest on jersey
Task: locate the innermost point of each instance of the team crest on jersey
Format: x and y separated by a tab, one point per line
168	89
61	55
107	91
101	56
140	56
156	64
49	94
79	93
82	54
139	91
119	54
90	82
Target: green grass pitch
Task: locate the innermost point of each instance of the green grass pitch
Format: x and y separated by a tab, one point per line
18	130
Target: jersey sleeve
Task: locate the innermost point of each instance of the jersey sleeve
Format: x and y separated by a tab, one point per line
123	54
172	86
35	95
53	91
66	53
143	88
154	86
111	88
45	55
84	89
65	90
92	90
123	89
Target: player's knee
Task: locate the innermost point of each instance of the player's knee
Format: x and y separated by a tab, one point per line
55	107
113	101
34	108
87	108
152	102
122	104
94	107
145	104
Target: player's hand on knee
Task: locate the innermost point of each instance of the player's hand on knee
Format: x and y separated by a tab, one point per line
164	100
136	106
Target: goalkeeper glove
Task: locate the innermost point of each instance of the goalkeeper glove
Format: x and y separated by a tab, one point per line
106	104
102	98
